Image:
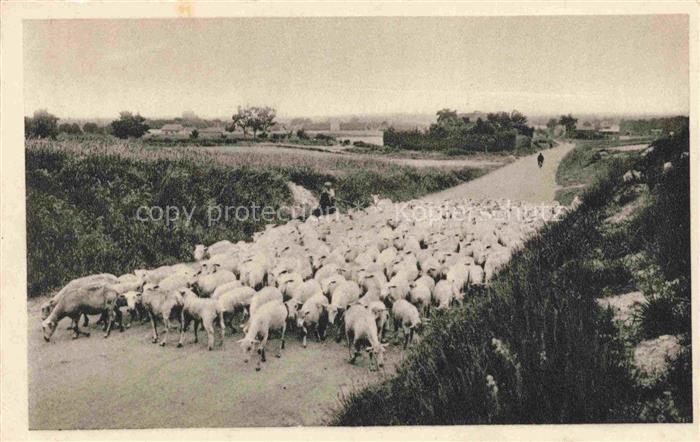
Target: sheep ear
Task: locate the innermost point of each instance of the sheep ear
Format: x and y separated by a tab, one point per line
156	286
241	340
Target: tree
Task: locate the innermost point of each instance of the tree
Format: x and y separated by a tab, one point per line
448	120
194	134
91	128
43	125
241	119
551	124
569	123
264	119
129	125
71	129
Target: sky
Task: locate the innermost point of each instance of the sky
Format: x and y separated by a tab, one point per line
365	65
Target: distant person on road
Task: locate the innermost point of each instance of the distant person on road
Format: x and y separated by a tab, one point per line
540	159
327	201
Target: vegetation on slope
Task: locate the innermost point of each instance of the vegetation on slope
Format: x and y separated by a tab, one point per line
83	198
536	348
585	164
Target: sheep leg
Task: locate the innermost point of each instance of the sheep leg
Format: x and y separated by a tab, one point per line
303	334
407	335
120	319
284	330
263	343
76	330
86	320
166	320
350	343
222	324
209	327
184	321
196	326
155	330
109	321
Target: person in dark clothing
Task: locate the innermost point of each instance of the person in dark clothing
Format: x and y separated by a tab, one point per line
326	201
540	159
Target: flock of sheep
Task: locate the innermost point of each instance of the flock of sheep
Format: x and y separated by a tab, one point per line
356	273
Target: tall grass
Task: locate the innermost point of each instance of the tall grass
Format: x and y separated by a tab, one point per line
82	201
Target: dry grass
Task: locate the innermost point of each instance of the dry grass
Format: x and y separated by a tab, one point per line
254	156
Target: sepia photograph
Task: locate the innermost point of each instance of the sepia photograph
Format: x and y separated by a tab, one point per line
356	221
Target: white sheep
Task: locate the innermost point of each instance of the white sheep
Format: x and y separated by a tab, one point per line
270	317
263	296
230	302
205	285
443	294
476	274
342	296
363	328
381	316
223	288
407	318
421	296
397	288
313	313
203	311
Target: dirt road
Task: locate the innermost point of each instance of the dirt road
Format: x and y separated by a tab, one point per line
127	382
520	180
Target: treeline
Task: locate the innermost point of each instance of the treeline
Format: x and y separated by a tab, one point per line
652	125
500	131
46	125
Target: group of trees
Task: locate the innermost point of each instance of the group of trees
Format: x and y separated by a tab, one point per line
46	125
452	131
450	123
254	118
129	126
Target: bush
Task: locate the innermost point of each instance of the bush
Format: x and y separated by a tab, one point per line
129	125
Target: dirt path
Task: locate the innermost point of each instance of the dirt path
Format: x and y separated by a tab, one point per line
520	180
127	382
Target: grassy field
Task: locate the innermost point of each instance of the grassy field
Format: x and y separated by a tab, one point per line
83	198
587	163
536	348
